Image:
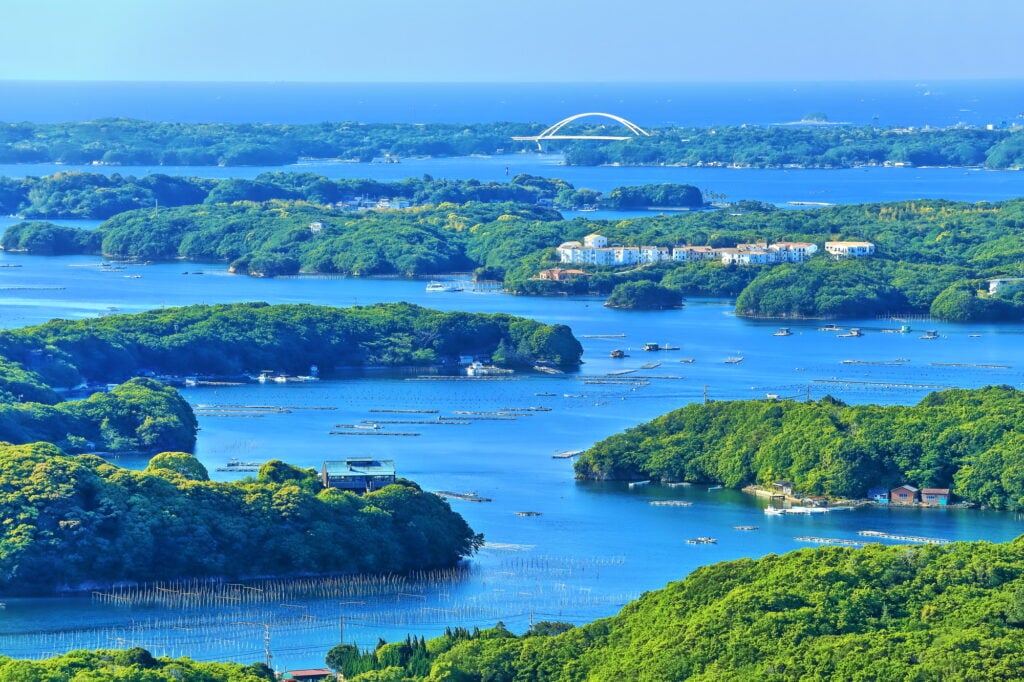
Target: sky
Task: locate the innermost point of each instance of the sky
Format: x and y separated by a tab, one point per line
510	40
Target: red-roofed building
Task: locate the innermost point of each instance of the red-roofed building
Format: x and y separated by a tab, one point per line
309	675
938	496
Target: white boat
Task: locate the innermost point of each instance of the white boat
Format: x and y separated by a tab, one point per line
783	331
479	369
441	286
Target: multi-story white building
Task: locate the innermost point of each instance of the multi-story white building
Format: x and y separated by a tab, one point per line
849	249
595	251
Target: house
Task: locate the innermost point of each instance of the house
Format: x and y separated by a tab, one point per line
308	675
879	495
938	496
905	494
840	250
560	274
316	227
358	474
783	487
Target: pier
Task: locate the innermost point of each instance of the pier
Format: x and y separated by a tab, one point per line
468	497
902	538
373	433
830	541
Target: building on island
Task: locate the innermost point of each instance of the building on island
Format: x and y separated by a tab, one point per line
1004	283
594	250
308	675
879	495
783	487
939	496
561	274
358	474
839	250
905	494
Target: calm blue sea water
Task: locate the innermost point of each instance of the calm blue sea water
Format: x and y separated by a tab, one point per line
595	546
646	104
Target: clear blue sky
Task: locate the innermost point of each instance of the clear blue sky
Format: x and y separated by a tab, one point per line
510	40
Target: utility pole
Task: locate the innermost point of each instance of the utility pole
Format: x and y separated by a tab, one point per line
266	638
705	394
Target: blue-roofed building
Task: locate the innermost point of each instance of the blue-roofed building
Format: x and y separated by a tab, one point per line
879	495
358	474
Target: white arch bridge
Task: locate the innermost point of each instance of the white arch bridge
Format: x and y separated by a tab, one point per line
552	133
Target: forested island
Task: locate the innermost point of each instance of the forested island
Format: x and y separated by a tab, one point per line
38	365
969	440
119	141
951	612
933	257
79	522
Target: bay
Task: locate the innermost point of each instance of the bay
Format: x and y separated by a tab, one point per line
594	546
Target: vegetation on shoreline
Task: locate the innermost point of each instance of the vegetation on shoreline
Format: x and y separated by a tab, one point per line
877	613
129	665
969	440
119	141
932	257
39	364
81	521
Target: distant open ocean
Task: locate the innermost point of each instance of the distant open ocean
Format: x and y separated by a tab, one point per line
1000	103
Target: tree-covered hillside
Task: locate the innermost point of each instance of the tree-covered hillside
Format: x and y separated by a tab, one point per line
39	364
119	141
859	615
77	521
970	440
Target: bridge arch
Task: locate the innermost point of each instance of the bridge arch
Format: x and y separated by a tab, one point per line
628	125
552	132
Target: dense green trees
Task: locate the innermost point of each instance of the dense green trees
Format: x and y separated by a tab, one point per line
134	142
644	295
144	415
970	440
128	665
80	519
140	415
247	337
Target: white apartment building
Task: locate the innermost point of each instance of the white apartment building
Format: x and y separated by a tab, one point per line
849	249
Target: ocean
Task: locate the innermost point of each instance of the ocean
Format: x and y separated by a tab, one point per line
976	103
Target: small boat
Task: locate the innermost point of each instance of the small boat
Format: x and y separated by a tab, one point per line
783	331
974	336
528	513
734	359
853	333
772	511
930	334
617	353
745	527
435	286
546	394
702	540
715	487
686	361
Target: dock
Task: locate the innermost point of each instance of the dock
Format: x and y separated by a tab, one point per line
702	541
528	513
373	433
903	538
468	497
404	411
670	503
830	541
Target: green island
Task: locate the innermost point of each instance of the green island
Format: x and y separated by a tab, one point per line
953	612
79	522
120	141
970	438
41	366
954	261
